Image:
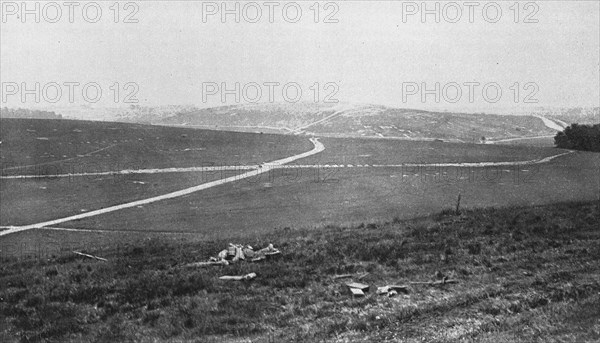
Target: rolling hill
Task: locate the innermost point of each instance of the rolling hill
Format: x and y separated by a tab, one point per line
349	120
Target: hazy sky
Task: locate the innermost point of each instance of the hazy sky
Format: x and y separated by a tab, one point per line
371	55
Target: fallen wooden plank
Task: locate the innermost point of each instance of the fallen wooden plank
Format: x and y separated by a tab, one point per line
383	290
357	292
361	286
238	277
90	256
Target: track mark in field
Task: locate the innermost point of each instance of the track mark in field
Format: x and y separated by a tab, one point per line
517	139
300	129
67	159
105	231
318	147
292	166
275	128
478	164
135	171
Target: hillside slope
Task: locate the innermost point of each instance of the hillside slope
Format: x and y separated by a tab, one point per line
526	274
350	120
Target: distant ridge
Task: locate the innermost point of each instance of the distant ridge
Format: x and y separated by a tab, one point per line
27	114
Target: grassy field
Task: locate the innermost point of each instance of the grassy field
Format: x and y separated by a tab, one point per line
54	147
525	274
283	198
316	197
31	201
65	149
390	151
57	146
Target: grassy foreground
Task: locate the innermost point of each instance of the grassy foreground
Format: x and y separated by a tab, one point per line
525	274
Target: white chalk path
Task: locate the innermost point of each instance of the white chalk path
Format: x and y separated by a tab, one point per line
550	123
560	122
300	129
282	166
318	147
51	228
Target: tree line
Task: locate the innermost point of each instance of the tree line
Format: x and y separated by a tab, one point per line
579	137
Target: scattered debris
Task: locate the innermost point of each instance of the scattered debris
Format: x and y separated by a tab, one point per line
391	290
357	292
246	277
90	256
356	285
362	276
236	252
259	258
383	290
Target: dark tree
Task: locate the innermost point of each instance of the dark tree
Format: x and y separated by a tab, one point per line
579	137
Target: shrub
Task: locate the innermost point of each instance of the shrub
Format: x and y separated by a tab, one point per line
579	137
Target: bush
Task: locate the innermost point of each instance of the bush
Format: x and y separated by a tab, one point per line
579	137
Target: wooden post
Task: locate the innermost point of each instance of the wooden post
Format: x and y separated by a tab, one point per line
458	204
